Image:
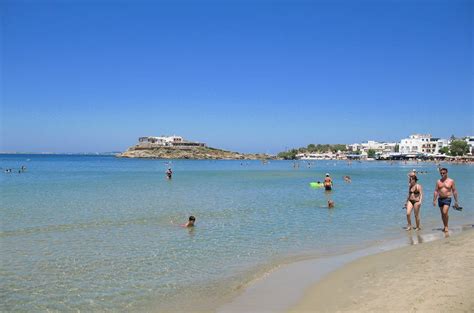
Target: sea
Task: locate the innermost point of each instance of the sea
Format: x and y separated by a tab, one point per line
99	233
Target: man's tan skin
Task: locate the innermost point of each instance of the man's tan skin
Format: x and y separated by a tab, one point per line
445	187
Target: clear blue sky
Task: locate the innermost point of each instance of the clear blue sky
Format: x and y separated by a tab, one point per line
250	76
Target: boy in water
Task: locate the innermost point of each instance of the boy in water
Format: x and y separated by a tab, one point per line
190	222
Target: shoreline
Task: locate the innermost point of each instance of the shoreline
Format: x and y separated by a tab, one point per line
434	277
290	288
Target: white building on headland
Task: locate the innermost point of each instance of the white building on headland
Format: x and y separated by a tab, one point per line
167	141
422	144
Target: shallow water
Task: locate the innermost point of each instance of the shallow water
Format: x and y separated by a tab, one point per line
100	233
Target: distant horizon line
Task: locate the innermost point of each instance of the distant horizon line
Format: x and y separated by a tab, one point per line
63	153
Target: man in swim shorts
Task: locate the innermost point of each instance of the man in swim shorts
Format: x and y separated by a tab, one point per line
327	182
445	187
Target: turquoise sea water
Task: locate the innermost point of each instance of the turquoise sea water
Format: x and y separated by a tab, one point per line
100	233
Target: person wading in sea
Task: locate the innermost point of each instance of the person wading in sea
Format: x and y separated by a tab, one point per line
413	202
169	173
327	182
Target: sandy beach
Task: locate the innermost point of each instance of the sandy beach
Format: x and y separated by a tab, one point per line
431	277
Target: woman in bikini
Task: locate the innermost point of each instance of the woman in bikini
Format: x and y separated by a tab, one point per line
415	196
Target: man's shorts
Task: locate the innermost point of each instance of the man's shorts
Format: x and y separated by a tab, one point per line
444	201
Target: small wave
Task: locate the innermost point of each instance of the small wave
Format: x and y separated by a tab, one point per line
70	227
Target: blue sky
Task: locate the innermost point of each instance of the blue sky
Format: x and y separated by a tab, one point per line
250	76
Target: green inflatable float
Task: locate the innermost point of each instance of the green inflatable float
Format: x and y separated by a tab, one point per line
316	185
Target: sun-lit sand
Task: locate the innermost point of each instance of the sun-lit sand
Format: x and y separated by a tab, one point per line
431	277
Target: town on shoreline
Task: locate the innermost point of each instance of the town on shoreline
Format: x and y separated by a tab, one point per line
415	147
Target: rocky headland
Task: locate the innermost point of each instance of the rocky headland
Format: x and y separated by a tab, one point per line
197	153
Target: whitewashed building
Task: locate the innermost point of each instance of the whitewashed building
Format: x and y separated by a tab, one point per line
441	143
166	141
470	142
378	147
422	144
414	144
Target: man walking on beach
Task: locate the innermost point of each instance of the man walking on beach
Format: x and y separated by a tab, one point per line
445	187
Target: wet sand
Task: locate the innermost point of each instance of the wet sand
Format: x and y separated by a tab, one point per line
436	276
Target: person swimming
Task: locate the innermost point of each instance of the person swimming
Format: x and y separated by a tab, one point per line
190	222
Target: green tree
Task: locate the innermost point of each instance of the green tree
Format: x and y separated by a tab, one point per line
444	150
323	148
288	155
458	148
371	153
339	147
397	148
311	147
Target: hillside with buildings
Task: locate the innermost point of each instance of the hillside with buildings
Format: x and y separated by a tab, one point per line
176	147
416	146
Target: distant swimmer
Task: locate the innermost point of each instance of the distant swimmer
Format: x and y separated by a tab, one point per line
330	204
413	202
327	182
190	222
445	187
169	173
347	179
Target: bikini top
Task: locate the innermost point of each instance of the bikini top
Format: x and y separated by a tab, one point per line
416	192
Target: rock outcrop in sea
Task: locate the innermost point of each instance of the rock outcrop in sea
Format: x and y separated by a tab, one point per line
198	153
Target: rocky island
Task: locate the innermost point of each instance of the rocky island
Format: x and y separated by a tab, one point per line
175	147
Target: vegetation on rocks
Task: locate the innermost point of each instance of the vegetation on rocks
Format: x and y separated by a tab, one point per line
199	153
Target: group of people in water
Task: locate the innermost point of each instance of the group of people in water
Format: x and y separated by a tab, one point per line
10	170
328	185
445	189
191	219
